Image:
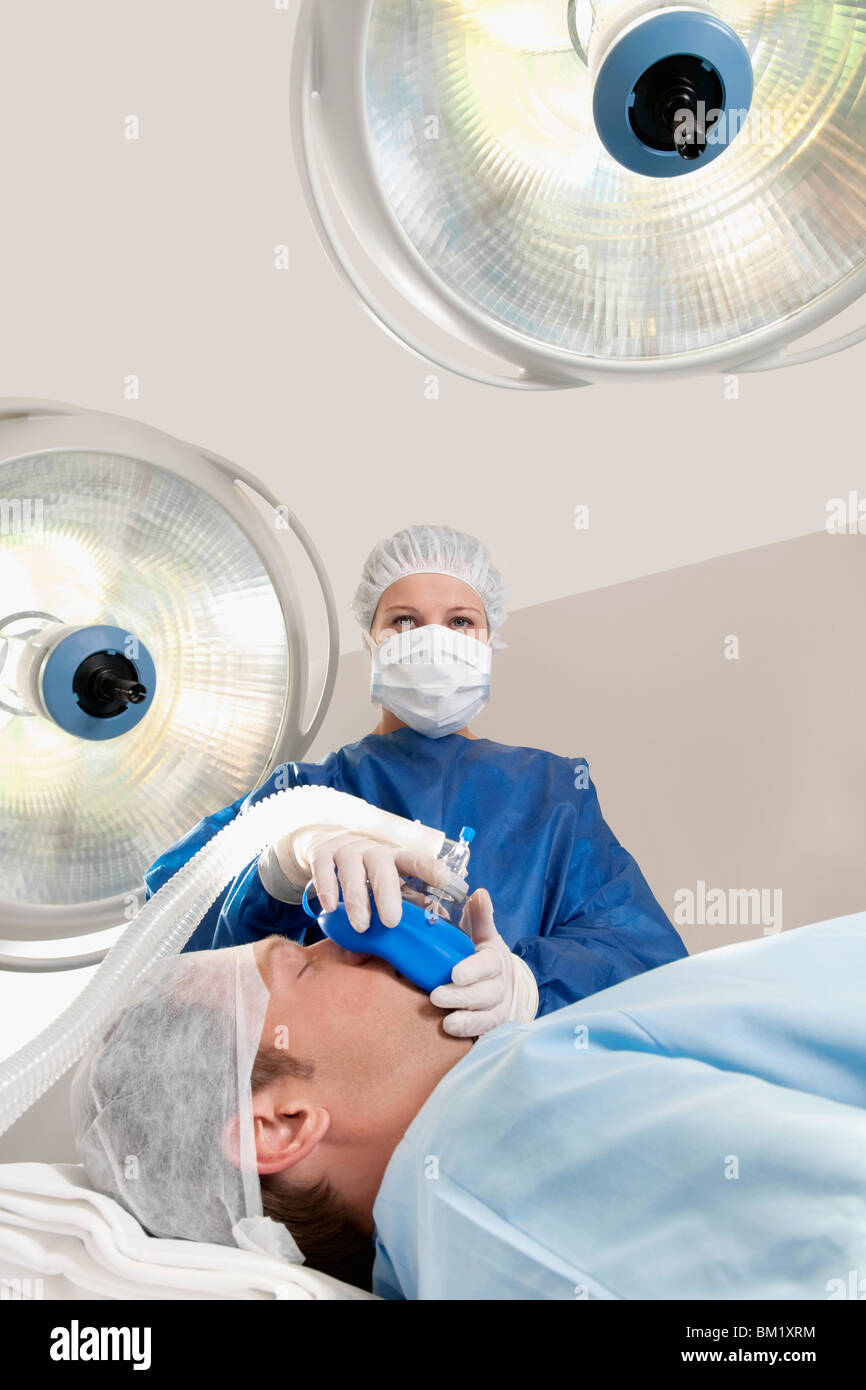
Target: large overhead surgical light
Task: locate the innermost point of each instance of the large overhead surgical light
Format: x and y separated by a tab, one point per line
584	190
153	663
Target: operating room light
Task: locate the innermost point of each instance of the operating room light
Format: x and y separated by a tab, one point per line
153	665
589	189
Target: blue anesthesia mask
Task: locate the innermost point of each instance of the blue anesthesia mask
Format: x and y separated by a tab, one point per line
424	951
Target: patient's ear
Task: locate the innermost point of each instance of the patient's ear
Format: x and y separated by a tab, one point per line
286	1130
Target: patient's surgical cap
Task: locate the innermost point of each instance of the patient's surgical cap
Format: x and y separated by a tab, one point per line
162	1108
430	550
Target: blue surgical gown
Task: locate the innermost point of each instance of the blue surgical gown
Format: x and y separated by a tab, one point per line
566	896
696	1132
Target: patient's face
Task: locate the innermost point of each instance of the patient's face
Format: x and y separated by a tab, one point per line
353	1017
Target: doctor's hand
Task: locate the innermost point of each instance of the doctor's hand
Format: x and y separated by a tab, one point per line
348	859
490	987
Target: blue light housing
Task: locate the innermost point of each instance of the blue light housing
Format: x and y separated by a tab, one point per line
684	61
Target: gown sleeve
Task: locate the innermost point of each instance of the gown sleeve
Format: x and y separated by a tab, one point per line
243	912
174	858
606	923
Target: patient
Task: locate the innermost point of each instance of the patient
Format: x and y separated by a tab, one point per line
696	1131
367	1049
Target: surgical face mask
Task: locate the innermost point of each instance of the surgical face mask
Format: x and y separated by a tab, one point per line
433	678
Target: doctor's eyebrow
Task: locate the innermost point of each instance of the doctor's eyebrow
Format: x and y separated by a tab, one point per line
409	610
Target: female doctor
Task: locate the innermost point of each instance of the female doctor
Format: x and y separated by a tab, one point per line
574	914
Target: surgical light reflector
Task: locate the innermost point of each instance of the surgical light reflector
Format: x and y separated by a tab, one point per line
502	165
153	663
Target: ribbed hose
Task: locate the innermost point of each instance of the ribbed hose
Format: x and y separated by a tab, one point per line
168	919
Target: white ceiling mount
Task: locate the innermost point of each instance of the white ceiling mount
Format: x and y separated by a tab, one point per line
450	159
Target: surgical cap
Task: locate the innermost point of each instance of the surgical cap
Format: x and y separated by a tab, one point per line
162	1097
430	550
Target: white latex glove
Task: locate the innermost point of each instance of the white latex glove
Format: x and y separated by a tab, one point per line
346	859
490	987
